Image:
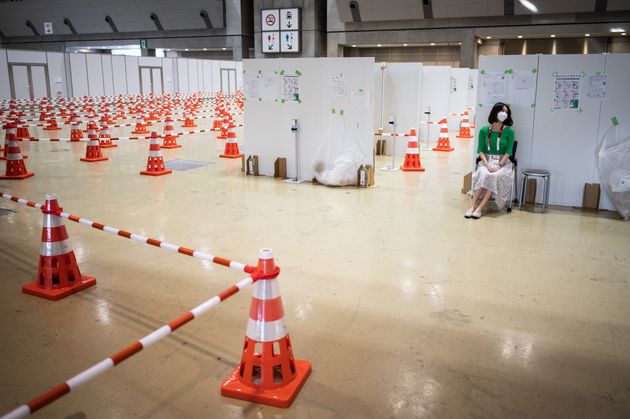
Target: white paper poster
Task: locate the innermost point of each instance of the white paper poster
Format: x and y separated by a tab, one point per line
596	86
250	86
290	88
522	88
337	85
494	88
566	91
270	42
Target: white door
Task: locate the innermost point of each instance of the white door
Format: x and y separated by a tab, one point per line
21	87
156	80
145	80
225	81
232	74
39	82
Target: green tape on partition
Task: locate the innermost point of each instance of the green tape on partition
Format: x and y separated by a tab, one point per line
333	111
299	101
341	112
482	71
533	105
298	73
259	71
555	73
282	72
534	71
614	121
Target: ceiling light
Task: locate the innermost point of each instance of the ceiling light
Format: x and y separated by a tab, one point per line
552	36
460	43
479	41
488	37
354	46
432	44
617	30
186	49
223	48
529	5
623	34
205	49
404	45
520	37
379	45
587	34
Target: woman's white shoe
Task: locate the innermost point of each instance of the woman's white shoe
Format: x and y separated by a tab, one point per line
469	212
476	215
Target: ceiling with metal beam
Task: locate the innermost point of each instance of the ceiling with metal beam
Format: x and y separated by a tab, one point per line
88	16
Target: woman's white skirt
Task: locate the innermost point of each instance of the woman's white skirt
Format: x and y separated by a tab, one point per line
499	182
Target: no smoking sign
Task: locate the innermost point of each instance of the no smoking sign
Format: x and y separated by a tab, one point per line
270	20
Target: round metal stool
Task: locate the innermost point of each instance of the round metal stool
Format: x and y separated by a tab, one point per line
545	175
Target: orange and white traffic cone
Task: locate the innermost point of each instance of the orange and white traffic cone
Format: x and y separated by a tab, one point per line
52	124
444	143
464	127
76	133
170	140
141	126
218	120
8	133
189	122
412	157
105	138
155	162
93	151
58	273
22	131
272	376
16	169
231	146
225	125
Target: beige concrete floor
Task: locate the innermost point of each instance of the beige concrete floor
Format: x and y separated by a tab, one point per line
405	308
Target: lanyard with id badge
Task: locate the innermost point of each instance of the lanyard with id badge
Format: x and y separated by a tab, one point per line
493	158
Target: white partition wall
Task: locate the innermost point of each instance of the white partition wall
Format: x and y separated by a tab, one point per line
57	74
617	104
38	74
471	99
78	71
565	140
458	96
119	72
435	98
324	83
133	75
108	78
496	85
95	74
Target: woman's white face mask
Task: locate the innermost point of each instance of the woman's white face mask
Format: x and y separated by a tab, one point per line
502	116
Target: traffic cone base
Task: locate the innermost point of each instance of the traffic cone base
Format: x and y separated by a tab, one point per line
55	294
20	176
277	397
412	164
93	159
156	173
171	146
231	151
108	145
465	136
443	147
140	131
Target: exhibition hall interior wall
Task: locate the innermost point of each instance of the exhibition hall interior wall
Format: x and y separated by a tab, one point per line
307	89
58	74
562	105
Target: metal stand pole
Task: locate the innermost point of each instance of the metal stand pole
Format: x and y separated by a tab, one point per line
393	167
294	131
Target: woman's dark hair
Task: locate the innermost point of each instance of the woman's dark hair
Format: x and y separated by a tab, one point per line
498	107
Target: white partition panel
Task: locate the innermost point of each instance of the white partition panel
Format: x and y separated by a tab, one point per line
57	74
193	76
320	89
492	70
78	71
216	76
616	104
5	87
108	79
207	75
182	75
167	74
149	62
565	140
133	75
239	74
458	96
435	87
95	74
119	72
27	57
39	83
471	105
200	82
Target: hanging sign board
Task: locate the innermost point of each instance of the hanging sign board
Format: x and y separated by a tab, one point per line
290	41
270	19
290	19
280	30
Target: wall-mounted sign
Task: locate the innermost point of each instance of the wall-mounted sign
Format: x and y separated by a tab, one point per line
289	19
270	42
48	28
290	41
280	30
143	43
270	19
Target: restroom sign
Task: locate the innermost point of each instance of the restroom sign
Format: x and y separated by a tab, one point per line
290	19
270	19
290	41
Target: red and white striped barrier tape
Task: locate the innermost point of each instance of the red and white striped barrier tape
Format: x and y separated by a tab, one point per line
142	239
94	371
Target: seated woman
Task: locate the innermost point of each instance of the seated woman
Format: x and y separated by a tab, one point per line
494	172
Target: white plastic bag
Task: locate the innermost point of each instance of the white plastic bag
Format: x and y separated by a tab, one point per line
338	156
614	167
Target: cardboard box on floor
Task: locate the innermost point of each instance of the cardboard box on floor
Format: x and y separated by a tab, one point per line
252	166
280	168
467	183
365	176
590	200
